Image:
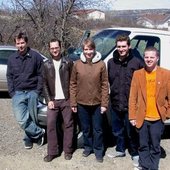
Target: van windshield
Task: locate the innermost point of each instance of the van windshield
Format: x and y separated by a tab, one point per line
105	41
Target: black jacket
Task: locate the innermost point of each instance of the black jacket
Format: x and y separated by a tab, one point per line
49	78
120	75
25	72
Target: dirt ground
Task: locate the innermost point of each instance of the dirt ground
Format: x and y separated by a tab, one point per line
13	156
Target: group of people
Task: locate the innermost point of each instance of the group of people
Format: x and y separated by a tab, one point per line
139	99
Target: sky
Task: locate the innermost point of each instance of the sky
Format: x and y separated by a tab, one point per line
130	4
138	4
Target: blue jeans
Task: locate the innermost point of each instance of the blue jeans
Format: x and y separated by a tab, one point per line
91	123
149	151
25	110
124	132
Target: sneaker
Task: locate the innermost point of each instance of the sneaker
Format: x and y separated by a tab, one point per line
99	159
28	144
40	141
116	154
135	160
86	153
137	168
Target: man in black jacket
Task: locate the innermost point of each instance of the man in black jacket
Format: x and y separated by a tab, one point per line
25	83
57	72
120	71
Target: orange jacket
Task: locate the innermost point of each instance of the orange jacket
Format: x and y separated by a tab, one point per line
137	98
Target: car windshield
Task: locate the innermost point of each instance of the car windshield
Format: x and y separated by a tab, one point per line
4	54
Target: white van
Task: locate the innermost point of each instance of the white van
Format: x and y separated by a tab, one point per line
105	44
140	39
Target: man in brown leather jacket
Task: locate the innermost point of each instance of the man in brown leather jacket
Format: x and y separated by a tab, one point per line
57	71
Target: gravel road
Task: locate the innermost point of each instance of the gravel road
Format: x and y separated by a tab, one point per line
13	156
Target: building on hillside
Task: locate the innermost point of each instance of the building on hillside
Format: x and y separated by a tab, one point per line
90	14
160	21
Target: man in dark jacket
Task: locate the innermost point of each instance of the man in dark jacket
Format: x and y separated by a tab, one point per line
120	71
25	83
57	72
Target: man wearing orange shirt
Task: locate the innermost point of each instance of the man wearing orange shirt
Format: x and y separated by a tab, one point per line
149	106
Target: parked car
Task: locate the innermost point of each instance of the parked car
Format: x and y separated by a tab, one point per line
140	39
5	52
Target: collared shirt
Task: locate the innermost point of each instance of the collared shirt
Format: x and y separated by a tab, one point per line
25	72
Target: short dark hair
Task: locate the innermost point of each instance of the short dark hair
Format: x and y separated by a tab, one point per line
54	40
151	48
123	37
20	35
89	42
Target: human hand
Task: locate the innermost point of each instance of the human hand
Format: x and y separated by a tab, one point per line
133	122
51	104
103	109
74	109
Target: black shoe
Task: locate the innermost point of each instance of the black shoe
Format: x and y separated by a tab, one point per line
28	144
86	153
40	141
49	158
67	156
98	159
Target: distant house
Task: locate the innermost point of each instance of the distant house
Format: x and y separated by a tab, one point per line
90	14
161	21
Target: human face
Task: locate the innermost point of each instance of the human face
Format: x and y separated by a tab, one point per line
21	45
88	52
123	48
151	60
55	50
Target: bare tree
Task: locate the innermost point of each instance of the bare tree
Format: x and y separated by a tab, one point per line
44	19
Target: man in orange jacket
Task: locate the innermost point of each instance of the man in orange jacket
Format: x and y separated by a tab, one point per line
149	106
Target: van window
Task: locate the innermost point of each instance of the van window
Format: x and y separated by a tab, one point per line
140	42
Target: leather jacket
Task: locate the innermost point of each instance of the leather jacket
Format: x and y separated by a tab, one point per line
49	78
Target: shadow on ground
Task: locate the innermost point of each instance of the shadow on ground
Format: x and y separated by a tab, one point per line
4	95
166	135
